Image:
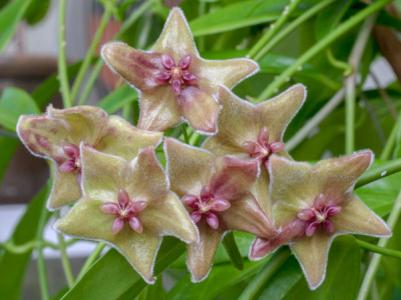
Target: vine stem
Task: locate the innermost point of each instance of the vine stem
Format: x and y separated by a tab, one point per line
321	45
379	173
64	259
232	250
288	9
391	140
62	62
273	265
91	51
377	249
376	258
91	259
41	264
99	63
351	81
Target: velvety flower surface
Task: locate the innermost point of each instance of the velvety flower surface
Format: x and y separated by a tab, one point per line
215	191
56	135
255	131
313	204
174	81
128	205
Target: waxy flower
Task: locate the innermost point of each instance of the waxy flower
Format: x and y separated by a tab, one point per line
56	135
128	205
175	83
215	191
313	205
255	131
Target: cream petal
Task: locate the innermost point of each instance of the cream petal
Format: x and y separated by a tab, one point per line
188	168
124	140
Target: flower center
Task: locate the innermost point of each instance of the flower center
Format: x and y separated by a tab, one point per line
71	159
206	207
319	216
177	75
125	210
262	149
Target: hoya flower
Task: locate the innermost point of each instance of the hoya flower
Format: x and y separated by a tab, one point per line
313	205
215	191
56	135
255	131
175	83
128	205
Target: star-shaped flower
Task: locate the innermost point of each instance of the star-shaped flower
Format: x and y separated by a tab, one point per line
313	205
56	135
215	191
128	205
174	81
255	131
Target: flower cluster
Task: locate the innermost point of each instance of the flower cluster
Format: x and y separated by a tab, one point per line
240	179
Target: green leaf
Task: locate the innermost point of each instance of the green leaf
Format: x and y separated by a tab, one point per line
237	15
10	16
8	146
13	103
118	98
13	266
112	277
36	11
342	277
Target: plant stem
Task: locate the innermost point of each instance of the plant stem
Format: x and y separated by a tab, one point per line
232	250
377	249
347	69
350	82
91	51
375	261
391	140
62	62
315	120
264	275
379	173
64	259
41	264
288	9
91	259
321	45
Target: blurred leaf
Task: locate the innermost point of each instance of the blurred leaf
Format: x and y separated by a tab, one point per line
152	292
13	266
13	103
112	277
386	19
8	146
10	16
220	278
36	11
118	98
392	266
342	276
237	15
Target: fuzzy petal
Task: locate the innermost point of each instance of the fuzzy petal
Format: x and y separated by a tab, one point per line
169	217
147	180
102	174
246	215
227	72
188	168
260	190
137	67
66	189
124	140
159	109
312	254
200	109
176	37
234	177
356	217
86	220
201	254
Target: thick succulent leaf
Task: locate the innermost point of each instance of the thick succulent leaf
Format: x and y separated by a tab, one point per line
86	220
201	254
356	217
312	254
159	109
103	175
176	37
147	179
200	109
188	168
169	217
124	140
246	215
